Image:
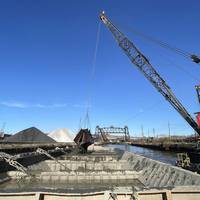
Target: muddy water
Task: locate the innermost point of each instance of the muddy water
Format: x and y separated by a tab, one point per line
37	185
163	156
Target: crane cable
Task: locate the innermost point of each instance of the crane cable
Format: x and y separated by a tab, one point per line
86	120
165	45
96	50
147	109
170	61
162	44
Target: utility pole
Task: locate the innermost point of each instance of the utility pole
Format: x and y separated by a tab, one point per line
154	133
169	129
142	131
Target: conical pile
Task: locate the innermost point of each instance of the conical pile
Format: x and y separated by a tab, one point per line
62	135
30	135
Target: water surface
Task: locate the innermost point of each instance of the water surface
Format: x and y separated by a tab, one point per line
163	156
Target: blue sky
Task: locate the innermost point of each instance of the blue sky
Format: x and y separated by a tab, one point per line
46	60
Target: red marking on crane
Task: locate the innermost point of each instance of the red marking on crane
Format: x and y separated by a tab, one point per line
198	119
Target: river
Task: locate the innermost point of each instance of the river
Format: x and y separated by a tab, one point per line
163	156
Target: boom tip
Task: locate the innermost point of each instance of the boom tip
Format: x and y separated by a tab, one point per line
102	13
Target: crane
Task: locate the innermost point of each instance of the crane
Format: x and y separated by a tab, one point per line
143	64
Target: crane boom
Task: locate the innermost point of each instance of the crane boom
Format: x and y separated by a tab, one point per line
142	63
198	92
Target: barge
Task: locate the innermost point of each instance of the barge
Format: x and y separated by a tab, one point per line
102	173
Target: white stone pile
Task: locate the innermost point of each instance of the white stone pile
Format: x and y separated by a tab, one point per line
62	135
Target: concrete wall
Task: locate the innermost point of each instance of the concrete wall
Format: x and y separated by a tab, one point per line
157	174
81	166
95	178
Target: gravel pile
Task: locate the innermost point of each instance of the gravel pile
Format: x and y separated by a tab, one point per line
62	135
32	135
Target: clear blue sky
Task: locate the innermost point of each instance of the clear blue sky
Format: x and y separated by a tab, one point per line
46	53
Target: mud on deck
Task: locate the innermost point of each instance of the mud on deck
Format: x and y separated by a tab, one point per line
99	171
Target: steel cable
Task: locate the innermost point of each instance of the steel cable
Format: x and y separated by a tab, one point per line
165	45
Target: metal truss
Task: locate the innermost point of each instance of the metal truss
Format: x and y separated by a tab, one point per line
104	131
12	162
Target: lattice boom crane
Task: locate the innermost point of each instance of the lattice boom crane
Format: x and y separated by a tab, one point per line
142	63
